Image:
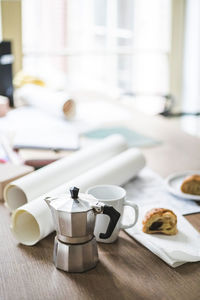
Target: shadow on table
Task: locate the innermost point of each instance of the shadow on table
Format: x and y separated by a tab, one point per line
113	277
99	283
188	269
42	251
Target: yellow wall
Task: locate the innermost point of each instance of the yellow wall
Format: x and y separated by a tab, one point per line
12	29
176	56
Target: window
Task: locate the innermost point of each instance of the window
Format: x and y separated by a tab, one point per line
100	43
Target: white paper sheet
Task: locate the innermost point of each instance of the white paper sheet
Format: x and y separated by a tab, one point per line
149	188
30	127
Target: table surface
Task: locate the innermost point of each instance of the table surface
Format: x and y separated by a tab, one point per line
126	269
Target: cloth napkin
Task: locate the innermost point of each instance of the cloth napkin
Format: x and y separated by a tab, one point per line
174	250
148	191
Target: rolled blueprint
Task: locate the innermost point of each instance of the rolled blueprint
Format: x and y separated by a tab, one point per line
33	221
29	187
58	104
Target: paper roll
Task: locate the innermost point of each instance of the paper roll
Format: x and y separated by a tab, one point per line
58	104
33	221
45	179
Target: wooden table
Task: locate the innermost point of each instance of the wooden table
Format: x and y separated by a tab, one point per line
126	270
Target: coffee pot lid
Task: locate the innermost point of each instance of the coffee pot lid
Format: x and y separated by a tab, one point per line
72	202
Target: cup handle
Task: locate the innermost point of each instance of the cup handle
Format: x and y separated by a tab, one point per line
136	209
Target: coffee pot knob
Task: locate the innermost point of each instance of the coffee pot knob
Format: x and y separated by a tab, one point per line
74	192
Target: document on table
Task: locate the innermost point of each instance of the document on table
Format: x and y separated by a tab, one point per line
31	128
148	188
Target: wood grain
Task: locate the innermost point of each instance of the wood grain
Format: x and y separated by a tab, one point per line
126	269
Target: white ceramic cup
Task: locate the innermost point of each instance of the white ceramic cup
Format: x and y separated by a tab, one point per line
115	196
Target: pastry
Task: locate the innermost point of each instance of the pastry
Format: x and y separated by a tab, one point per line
191	185
160	220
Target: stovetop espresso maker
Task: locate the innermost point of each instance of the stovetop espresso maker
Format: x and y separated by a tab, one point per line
75	246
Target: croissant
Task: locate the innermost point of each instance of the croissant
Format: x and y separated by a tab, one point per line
191	185
160	220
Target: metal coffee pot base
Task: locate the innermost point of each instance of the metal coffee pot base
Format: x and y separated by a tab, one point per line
75	257
74	215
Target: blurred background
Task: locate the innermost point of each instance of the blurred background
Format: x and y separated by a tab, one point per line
140	53
132	47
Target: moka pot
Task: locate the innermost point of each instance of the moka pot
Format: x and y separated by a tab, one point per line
74	214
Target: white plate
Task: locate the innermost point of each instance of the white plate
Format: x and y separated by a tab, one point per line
174	181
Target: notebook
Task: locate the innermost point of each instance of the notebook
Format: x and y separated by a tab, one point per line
31	128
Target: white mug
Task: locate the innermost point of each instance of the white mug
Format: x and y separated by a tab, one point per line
115	196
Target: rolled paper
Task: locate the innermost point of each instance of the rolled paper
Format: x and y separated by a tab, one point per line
56	103
33	221
31	186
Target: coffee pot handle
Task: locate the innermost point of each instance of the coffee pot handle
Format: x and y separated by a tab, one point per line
114	217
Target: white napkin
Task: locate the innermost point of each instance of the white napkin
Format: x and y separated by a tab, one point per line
174	250
148	191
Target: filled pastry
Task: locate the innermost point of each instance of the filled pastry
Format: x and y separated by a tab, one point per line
191	185
160	220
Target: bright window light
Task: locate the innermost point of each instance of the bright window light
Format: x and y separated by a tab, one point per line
113	43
